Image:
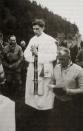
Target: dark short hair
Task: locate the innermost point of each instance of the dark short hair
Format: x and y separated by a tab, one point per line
39	22
12	36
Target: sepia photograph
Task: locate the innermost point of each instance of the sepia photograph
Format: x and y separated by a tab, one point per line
41	61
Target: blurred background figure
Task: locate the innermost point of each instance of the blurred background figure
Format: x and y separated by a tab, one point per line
2	74
1	38
12	63
73	49
1	44
2	79
79	58
23	45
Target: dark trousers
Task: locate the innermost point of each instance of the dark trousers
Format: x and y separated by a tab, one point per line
35	120
69	114
14	84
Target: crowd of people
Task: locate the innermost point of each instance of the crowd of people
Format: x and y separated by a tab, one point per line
48	75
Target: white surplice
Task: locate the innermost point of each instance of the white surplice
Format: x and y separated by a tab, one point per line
47	52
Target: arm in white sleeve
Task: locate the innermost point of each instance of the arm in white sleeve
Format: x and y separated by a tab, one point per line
28	54
49	54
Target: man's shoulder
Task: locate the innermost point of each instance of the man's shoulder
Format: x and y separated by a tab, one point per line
32	40
18	47
6	48
77	68
34	37
51	39
49	36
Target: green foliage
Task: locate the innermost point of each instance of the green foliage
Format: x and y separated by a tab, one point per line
16	17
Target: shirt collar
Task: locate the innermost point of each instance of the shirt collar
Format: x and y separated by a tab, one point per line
68	66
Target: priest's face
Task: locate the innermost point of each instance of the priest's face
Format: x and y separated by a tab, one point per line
38	30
